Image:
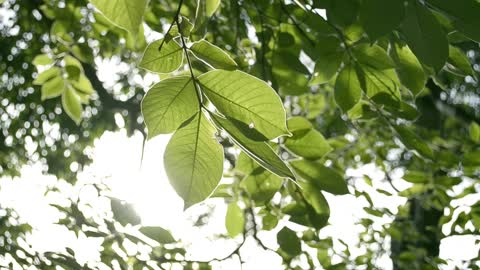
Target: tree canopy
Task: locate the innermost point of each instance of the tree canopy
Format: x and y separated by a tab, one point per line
285	99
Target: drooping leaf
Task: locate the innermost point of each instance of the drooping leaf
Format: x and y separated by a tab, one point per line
347	88
211	6
162	56
425	36
72	105
259	151
409	69
247	99
464	14
413	141
158	234
124	13
124	212
380	17
168	104
315	198
194	160
375	82
322	177
213	55
289	242
261	184
459	61
234	220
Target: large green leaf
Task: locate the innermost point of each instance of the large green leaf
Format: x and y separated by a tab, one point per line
246	99
124	13
168	104
380	17
162	56
375	82
409	69
320	176
194	160
72	105
158	234
213	55
347	88
307	143
425	36
464	14
289	242
234	220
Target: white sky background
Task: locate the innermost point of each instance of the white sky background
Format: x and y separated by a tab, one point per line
117	160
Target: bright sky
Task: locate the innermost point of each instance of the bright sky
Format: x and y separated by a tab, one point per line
117	159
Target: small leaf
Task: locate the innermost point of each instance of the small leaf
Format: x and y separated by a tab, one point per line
259	151
42	60
289	242
126	14
320	176
213	55
475	132
269	222
72	105
168	104
158	234
298	123
83	85
374	56
162	57
47	75
413	142
234	220
315	198
247	99
194	160
425	36
124	212
458	59
347	88
53	87
409	69
307	143
261	185
211	6
380	17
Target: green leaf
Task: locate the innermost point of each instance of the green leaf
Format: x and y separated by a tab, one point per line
72	105
425	36
307	143
47	75
298	123
373	56
320	176
162	57
289	242
413	142
168	104
213	55
315	198
42	60
458	59
261	185
269	222
464	14
417	177
158	234
211	6
475	132
409	69
381	17
234	220
124	212
375	82
194	160
126	14
53	87
330	57
347	88
247	99
83	85
259	151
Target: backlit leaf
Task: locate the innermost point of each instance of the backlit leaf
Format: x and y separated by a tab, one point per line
213	55
322	177
124	13
162	57
234	220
